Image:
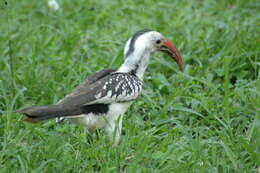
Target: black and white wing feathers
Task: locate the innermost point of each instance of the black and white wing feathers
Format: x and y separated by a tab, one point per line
83	87
115	87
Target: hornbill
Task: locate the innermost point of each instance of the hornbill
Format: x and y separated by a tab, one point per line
103	98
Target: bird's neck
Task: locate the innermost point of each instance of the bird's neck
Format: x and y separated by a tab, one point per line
136	63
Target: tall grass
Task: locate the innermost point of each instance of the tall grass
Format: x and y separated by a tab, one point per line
205	119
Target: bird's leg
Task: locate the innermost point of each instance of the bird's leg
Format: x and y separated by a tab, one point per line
113	130
89	134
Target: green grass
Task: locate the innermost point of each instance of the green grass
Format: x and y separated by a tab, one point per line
203	120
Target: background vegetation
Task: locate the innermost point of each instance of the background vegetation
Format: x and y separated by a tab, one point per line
203	120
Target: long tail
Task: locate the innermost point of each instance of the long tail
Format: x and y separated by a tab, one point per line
36	114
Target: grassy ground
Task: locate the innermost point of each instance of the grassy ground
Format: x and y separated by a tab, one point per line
203	120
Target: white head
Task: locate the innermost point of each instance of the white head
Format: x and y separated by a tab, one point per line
143	40
141	45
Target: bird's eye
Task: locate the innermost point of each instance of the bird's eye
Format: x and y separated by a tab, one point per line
158	41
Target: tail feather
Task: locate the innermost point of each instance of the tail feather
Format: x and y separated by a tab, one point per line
31	120
36	114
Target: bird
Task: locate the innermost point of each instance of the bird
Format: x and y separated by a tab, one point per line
101	101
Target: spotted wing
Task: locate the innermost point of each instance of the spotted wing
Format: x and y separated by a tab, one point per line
115	87
119	87
86	84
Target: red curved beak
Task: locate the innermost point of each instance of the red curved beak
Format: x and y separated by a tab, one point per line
171	50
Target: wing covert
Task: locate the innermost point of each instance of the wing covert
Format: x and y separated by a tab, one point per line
115	87
85	86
